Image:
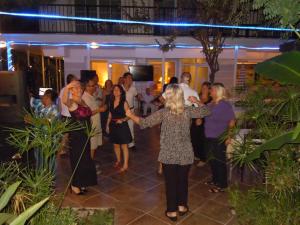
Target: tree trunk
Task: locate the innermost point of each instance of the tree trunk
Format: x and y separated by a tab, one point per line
212	75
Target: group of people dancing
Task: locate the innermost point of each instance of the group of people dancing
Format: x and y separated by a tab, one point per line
190	129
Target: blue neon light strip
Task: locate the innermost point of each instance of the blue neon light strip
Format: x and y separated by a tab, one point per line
9	56
130	45
47	16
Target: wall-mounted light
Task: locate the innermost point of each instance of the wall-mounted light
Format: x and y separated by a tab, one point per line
2	44
94	45
109	65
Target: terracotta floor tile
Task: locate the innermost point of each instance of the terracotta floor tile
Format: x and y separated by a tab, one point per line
143	183
215	211
145	202
222	198
138	196
194	201
157	191
195	219
107	184
125	214
100	200
69	202
202	191
124	192
141	169
125	177
148	220
159	212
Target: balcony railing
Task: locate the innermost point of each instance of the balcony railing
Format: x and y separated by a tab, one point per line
139	13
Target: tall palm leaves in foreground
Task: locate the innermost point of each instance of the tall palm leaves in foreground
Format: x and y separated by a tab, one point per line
272	145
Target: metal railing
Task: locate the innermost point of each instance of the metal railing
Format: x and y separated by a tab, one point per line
139	13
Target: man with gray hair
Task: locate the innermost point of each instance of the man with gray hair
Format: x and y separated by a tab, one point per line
185	81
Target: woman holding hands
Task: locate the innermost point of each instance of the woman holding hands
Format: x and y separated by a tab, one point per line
117	126
176	153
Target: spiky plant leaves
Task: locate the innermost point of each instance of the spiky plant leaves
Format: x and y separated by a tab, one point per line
28	213
6	217
42	135
38	183
9	172
5	198
274	144
284	68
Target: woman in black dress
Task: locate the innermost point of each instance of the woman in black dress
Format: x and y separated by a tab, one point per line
197	128
85	174
117	126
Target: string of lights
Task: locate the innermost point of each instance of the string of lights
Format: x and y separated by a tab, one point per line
132	45
168	24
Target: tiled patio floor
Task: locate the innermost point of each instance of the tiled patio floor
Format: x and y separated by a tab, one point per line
138	195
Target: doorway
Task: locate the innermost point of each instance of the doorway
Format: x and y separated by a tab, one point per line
199	71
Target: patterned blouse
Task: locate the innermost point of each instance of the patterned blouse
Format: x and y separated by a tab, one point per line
50	112
175	138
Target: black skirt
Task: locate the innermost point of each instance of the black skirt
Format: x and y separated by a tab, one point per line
85	174
120	133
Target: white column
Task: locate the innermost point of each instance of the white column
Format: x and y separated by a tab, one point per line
236	52
109	70
88	58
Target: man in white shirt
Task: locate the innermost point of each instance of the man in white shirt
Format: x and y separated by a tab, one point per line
131	93
64	112
63	109
187	90
148	98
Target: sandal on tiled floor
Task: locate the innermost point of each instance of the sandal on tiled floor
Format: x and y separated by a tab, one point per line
216	190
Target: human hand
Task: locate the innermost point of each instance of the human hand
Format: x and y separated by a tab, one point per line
128	113
198	122
73	84
107	129
193	99
119	121
228	141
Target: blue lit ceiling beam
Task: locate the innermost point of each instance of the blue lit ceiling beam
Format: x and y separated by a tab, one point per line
92	19
132	45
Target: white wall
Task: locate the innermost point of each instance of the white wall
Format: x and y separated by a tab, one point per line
77	59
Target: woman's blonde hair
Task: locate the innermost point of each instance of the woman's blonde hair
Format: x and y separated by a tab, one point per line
220	91
174	99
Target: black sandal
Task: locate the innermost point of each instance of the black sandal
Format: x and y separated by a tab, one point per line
216	190
210	182
182	213
173	218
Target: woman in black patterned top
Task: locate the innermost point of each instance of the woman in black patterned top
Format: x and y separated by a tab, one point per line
176	152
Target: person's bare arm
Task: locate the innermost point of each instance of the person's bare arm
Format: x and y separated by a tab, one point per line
108	122
230	128
132	116
66	96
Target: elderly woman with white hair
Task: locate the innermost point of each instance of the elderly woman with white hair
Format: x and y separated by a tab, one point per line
221	119
176	153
